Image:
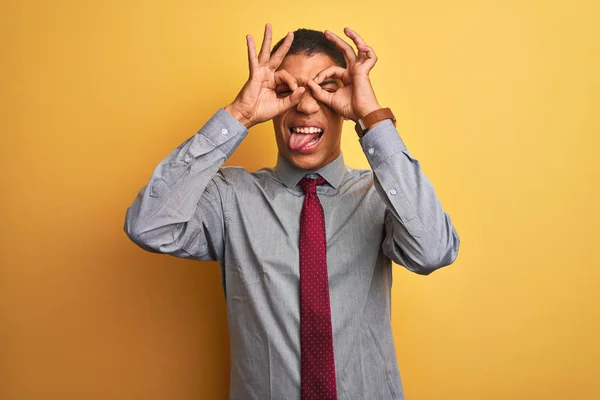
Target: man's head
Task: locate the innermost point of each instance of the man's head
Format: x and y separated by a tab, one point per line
309	42
309	134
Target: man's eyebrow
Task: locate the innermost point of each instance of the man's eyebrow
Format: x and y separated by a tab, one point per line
329	82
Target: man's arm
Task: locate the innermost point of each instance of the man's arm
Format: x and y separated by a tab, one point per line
180	212
418	233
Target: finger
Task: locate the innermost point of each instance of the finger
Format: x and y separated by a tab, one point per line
320	94
367	55
360	44
285	77
252	60
346	49
265	48
291	100
277	57
354	36
333	71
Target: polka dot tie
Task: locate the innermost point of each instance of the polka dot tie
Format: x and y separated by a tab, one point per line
316	338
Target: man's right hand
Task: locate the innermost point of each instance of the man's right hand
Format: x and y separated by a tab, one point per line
257	101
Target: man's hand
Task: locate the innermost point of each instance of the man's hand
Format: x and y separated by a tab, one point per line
257	101
357	98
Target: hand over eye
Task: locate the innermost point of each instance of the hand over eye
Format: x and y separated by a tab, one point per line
356	98
257	101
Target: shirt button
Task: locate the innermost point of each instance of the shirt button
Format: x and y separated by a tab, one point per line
188	159
224	131
393	192
371	150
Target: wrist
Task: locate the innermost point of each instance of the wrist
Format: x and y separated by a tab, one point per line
368	121
235	113
365	100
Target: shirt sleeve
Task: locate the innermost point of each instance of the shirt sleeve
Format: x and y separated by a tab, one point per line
418	233
180	211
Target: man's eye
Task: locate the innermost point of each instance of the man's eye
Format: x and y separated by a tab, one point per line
330	90
283	92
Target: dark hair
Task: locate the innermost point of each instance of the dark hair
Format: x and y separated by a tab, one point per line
310	42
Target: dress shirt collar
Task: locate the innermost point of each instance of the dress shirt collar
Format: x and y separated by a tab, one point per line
290	175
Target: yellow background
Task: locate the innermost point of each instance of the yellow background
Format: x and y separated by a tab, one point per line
499	100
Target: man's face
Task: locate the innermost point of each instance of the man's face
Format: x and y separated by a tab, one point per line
308	134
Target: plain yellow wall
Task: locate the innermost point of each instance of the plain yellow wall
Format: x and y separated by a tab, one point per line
499	100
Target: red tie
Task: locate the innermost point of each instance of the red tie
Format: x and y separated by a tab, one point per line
316	338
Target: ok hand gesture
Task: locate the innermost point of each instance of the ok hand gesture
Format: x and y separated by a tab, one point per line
356	98
257	101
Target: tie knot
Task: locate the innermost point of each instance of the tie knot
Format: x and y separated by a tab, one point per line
310	185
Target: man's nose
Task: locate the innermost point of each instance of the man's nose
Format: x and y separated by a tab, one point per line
308	104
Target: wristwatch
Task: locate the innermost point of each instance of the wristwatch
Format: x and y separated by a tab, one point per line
365	123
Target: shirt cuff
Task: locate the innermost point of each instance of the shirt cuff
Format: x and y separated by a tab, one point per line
223	131
381	142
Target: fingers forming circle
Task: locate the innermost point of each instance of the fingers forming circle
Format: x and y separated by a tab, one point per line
283	76
291	100
367	55
333	71
319	94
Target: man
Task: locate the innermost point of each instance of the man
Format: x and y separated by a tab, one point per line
305	248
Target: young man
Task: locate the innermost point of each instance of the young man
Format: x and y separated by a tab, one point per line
305	248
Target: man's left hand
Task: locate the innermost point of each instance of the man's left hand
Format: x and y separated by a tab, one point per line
356	98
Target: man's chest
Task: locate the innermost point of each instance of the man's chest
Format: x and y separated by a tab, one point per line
263	227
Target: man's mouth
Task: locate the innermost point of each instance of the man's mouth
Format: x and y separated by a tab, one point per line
304	139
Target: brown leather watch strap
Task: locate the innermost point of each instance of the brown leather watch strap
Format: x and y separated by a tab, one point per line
367	122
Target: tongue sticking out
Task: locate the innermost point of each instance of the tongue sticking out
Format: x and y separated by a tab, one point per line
299	140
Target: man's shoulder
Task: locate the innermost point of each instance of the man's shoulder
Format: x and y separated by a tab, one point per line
358	174
359	171
236	175
242	172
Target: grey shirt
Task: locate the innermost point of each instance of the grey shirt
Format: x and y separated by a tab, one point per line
194	208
